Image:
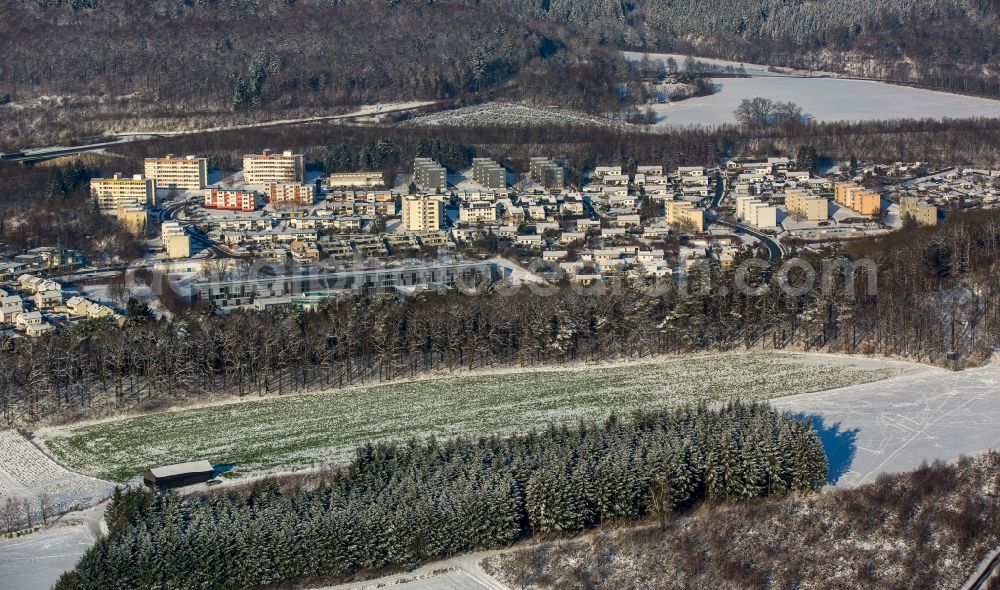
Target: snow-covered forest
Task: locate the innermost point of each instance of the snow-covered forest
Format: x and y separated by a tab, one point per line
128	58
401	505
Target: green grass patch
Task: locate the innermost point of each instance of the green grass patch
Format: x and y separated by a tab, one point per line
295	432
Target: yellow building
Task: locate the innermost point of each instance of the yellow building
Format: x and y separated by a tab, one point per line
176	242
423	213
858	198
136	191
810	207
267	167
683	214
132	217
187	173
920	211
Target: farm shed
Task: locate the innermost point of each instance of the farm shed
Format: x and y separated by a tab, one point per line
181	474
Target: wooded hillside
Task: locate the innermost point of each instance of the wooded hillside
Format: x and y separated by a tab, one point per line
209	58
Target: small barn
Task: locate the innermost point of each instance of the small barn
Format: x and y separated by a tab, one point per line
181	474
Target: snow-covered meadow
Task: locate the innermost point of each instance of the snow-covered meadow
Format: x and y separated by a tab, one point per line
825	100
296	432
26	473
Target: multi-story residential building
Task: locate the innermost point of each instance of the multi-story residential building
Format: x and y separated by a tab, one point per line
176	242
137	191
235	199
423	213
809	207
267	167
133	217
684	213
489	174
475	212
755	212
652	170
547	173
858	198
920	211
188	173
358	179
291	192
429	175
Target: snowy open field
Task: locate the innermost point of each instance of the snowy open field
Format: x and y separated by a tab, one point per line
895	425
296	432
35	561
824	100
26	473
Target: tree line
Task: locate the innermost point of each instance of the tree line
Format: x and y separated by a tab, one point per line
399	505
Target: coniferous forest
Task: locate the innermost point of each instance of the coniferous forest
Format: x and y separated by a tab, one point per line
398	505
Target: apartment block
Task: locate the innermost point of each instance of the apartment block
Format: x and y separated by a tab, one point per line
356	179
809	207
235	199
684	213
423	213
429	175
755	212
547	173
474	212
291	193
921	211
133	217
176	242
187	173
489	174
858	198
136	191
267	167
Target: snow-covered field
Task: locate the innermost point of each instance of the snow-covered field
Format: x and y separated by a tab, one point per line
894	425
35	561
507	114
26	473
824	100
297	432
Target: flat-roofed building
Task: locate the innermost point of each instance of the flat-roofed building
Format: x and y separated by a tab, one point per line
291	192
234	199
176	241
429	175
860	199
423	213
920	211
489	174
133	217
809	207
267	167
188	173
684	214
547	173
475	212
137	191
356	179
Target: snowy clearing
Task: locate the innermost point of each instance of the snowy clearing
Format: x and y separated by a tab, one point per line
35	561
303	431
511	115
895	425
26	473
825	100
